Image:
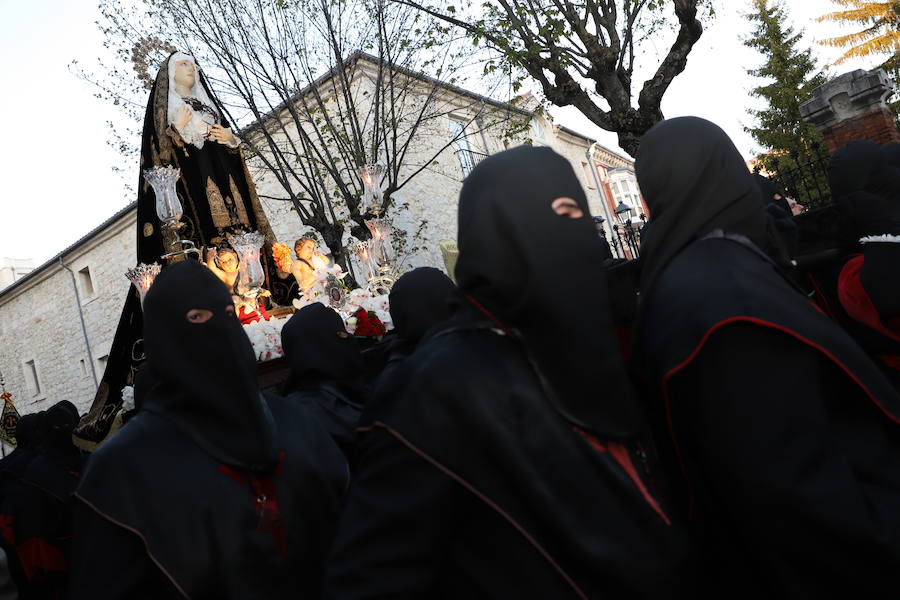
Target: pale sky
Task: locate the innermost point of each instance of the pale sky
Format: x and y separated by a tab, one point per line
56	165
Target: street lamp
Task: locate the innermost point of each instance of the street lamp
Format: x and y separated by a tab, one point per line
624	212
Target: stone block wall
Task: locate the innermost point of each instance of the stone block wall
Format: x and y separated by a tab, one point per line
39	320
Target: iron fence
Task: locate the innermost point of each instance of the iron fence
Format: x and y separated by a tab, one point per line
625	241
803	179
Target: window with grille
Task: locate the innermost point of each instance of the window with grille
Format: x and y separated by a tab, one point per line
461	147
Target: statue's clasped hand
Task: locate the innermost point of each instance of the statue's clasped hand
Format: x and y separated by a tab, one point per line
223	135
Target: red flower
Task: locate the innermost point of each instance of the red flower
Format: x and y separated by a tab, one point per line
368	324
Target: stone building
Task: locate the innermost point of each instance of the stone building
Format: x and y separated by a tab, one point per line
57	322
468	127
13	269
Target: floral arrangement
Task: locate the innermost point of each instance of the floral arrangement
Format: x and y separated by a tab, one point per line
326	279
266	338
282	255
365	323
377	306
350	303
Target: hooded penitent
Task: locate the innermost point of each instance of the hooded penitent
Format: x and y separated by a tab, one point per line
810	440
771	192
703	186
206	372
853	167
522	410
420	300
29	432
537	272
232	494
783	233
57	466
317	352
326	374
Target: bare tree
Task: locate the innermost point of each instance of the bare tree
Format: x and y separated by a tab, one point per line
318	87
583	52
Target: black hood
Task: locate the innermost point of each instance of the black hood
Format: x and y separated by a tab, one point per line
318	348
537	272
58	424
694	181
206	372
768	190
892	154
855	167
420	300
29	430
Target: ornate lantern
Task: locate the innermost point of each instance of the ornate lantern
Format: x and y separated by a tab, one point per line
168	206
143	276
370	175
363	252
251	275
382	248
169	210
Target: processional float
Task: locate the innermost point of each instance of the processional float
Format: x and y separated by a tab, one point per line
197	201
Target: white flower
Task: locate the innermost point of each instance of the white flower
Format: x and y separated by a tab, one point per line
265	336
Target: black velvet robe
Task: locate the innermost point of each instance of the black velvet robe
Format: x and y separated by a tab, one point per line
471	485
181	524
785	433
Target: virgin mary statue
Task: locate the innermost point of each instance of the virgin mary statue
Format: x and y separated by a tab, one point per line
184	127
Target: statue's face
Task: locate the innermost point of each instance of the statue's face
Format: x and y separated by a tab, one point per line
304	248
185	73
228	262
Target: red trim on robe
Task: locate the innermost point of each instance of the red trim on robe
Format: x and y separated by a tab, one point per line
37	555
620	454
693	355
265	500
6	529
856	301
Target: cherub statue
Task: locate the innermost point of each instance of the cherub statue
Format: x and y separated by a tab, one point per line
308	265
226	265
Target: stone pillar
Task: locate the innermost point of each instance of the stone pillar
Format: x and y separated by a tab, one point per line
853	107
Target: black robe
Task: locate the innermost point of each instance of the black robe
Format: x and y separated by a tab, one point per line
212	531
784	430
471	485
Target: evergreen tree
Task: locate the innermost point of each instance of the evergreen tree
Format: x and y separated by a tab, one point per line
791	76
